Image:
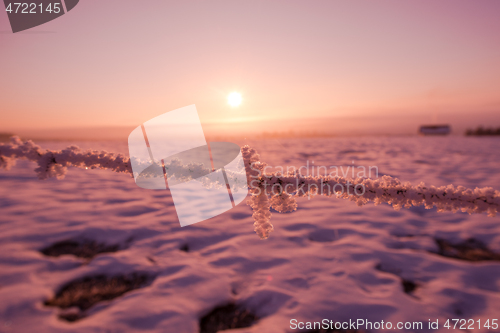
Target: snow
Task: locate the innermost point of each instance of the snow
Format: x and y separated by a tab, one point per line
328	259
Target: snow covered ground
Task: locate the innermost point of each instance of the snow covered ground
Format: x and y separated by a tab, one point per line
328	260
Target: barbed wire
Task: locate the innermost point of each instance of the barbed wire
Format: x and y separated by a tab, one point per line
268	190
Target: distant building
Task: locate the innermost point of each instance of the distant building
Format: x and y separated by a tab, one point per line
434	130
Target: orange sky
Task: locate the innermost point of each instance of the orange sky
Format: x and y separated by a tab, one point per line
120	63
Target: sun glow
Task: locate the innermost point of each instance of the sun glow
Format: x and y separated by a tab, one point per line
234	99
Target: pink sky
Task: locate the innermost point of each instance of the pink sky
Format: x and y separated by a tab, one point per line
119	63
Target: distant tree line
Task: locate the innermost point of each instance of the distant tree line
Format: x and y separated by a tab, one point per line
5	136
480	131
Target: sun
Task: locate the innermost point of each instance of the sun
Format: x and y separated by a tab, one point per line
234	99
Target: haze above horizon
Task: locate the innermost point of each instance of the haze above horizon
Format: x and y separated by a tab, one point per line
383	67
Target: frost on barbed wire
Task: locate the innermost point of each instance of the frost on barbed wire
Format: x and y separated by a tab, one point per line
273	190
54	163
281	189
177	172
259	200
